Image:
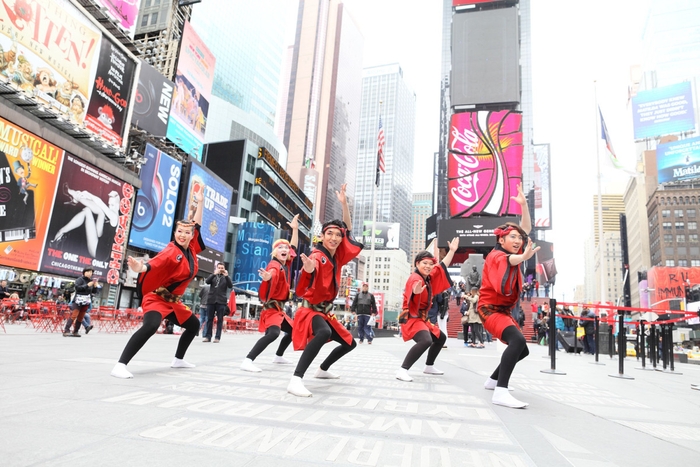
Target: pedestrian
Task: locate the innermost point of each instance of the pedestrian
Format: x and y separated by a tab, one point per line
588	324
464	311
85	286
219	283
428	278
203	294
475	322
161	283
500	289
273	292
314	322
364	306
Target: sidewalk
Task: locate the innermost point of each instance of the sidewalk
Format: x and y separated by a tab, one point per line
61	407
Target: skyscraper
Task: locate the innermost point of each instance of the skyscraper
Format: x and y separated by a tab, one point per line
323	108
385	93
422	209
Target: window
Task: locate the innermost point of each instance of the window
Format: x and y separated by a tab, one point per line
666	225
680	225
245	214
154	18
670	262
148	3
144	21
683	263
666	213
250	165
690	212
678	213
693	238
695	262
668	238
692	225
680	238
247	191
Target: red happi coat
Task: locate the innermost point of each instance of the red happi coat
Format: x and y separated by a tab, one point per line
277	288
415	307
322	286
172	268
501	283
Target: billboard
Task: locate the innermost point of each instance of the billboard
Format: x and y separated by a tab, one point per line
29	169
678	161
193	83
472	232
253	249
89	223
124	12
154	209
386	235
226	160
663	111
485	57
431	224
542	216
485	162
379	301
154	95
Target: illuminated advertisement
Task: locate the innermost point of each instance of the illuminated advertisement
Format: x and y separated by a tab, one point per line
386	235
485	162
379	301
472	232
663	111
29	168
678	161
156	201
190	105
253	250
154	95
542	216
89	223
469	2
124	11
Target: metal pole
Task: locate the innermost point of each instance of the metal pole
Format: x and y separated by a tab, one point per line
621	346
552	340
642	345
653	352
600	197
596	335
611	341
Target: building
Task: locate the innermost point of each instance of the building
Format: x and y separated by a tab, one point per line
422	209
386	95
607	270
390	274
673	232
637	233
323	106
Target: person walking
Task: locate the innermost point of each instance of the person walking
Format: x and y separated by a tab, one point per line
364	306
85	286
500	289
273	292
314	322
161	283
427	279
219	283
474	321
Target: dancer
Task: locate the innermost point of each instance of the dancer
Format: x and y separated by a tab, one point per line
425	281
314	322
500	290
274	291
161	283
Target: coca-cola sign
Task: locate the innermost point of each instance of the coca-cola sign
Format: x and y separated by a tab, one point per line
485	163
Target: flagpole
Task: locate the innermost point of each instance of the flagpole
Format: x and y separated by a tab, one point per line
600	197
374	219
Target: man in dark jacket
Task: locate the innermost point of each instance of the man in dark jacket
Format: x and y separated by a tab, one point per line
219	283
364	305
589	330
84	288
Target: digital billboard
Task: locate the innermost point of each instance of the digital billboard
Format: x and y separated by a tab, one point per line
472	232
226	159
386	235
154	95
663	111
253	249
89	223
485	162
485	57
379	300
431	228
193	83
156	201
542	215
678	161
124	11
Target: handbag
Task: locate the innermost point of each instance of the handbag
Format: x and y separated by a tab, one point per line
371	321
580	331
465	319
81	300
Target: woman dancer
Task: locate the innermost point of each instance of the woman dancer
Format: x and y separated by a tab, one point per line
425	281
314	322
274	291
500	290
161	283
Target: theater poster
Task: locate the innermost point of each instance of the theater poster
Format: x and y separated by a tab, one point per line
29	168
124	11
89	224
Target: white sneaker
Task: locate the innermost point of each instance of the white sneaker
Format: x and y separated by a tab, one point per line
402	374
491	384
247	365
120	371
296	388
180	363
431	370
321	374
501	396
281	360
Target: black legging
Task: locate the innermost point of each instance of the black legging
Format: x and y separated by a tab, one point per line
424	339
322	333
516	351
272	333
477	332
465	332
151	323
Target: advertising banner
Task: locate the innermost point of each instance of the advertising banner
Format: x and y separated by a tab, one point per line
253	250
108	108
124	11
193	82
431	227
678	161
29	168
156	201
379	301
663	111
472	232
50	52
89	224
485	163
386	235
154	95
542	217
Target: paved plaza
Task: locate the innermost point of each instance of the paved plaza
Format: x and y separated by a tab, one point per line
60	406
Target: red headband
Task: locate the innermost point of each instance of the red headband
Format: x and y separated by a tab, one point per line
333	226
499	232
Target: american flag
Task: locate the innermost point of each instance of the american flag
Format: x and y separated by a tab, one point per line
380	150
